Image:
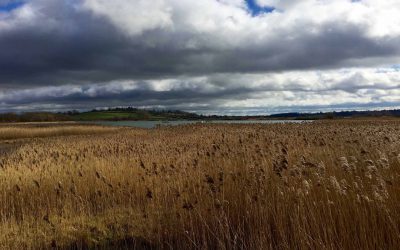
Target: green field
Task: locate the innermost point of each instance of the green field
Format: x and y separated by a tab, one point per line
110	116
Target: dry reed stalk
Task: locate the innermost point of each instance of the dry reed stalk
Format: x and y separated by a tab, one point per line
324	185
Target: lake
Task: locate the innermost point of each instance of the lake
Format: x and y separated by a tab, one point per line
153	124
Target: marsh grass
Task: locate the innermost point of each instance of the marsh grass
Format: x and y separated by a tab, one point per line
51	129
324	185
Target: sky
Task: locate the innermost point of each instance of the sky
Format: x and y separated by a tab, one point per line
208	56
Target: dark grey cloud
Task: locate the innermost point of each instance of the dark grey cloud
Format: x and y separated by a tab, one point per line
267	93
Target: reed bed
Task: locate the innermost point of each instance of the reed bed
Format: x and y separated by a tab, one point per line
322	185
27	130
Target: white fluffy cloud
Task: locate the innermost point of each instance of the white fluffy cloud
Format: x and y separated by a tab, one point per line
282	4
228	22
133	17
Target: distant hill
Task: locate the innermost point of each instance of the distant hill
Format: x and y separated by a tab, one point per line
117	114
133	114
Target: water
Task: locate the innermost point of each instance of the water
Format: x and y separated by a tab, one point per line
153	124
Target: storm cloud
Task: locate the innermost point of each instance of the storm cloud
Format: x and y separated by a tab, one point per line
206	56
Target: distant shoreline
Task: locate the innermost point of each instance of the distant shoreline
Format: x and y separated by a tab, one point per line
131	114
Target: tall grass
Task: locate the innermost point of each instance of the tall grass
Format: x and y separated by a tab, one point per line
325	185
35	131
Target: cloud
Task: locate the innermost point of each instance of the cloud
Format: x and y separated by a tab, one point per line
133	17
266	93
209	53
281	4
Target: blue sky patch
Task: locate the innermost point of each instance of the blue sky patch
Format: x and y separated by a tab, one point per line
11	6
256	9
396	67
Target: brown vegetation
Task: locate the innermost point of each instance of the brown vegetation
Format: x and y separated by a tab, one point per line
36	130
323	185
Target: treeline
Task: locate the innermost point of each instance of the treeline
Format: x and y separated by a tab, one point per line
165	112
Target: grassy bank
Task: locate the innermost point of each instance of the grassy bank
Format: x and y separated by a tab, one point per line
323	185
